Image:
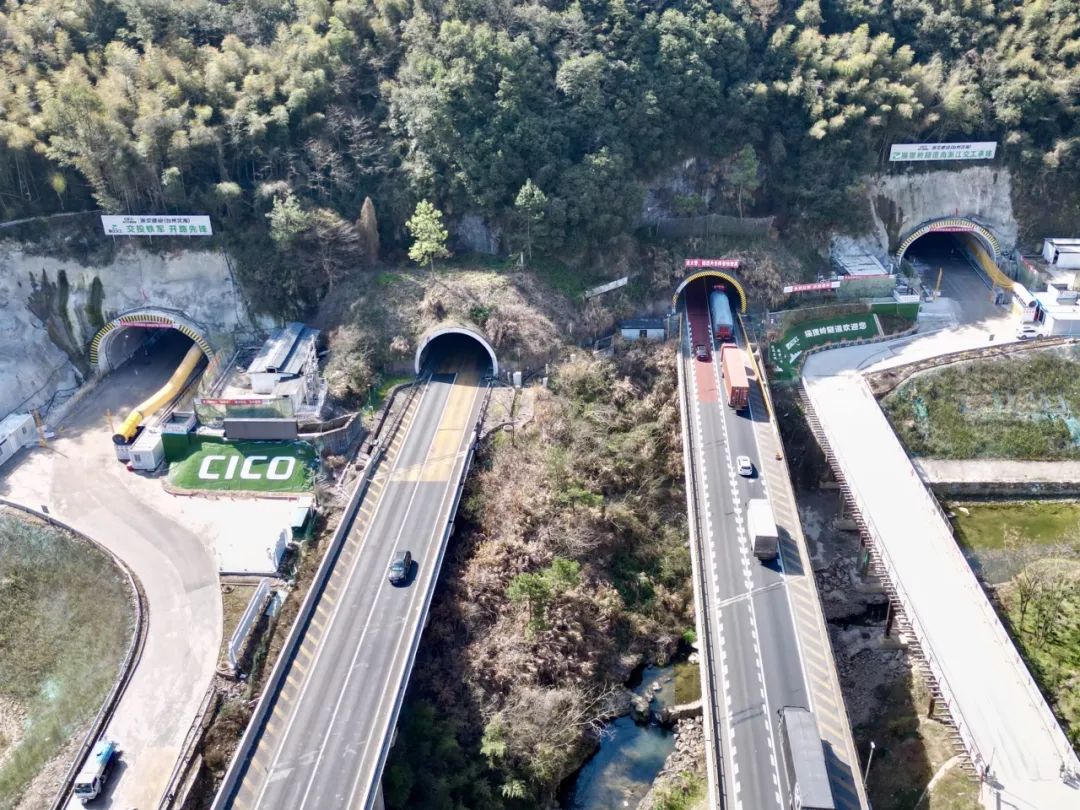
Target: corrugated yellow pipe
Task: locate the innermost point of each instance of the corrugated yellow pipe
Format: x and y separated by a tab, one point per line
162	397
987	262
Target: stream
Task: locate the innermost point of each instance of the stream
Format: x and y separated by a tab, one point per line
630	756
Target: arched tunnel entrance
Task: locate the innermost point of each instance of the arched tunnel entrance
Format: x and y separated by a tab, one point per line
135	344
150	358
717	298
959	263
450	346
709	279
123	336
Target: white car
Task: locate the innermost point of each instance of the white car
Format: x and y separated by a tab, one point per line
1027	332
746	467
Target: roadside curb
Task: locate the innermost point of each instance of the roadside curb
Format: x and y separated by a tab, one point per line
131	660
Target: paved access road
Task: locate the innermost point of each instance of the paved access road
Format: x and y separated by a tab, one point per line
325	743
994	701
759	658
169	546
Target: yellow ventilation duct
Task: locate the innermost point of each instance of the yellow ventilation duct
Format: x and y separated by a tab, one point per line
161	397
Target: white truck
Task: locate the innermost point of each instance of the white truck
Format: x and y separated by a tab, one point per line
764	538
804	757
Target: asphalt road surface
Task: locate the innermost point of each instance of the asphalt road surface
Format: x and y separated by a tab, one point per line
759	659
325	743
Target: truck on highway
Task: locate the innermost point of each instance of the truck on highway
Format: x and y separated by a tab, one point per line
723	322
736	385
760	525
804	759
95	771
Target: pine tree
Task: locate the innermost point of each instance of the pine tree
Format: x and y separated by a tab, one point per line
428	233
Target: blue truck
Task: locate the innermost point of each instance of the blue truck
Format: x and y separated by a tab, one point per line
95	771
723	322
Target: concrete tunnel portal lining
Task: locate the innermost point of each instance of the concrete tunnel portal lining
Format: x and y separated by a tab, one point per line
102	342
444	331
719	275
954	225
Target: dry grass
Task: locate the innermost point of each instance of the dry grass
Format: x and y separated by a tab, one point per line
910	746
953	791
595	478
1003	407
378	320
66	618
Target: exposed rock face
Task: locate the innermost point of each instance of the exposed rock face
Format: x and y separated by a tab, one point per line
639	708
687	758
618	704
673	714
902	202
693	178
50	309
475	235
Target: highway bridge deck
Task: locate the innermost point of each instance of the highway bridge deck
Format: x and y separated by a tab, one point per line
326	740
1001	715
772	648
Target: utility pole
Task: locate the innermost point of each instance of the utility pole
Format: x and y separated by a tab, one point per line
937	287
869	759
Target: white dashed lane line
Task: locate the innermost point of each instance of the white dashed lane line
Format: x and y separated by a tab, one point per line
745	555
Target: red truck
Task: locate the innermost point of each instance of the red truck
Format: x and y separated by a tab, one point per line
736	385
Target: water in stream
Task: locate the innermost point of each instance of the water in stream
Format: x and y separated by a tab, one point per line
630	756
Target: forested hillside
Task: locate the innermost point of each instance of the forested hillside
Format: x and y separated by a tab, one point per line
224	106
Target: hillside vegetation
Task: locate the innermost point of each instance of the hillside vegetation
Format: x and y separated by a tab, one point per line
571	568
545	117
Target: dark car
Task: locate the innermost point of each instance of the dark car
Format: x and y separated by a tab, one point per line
400	565
701	351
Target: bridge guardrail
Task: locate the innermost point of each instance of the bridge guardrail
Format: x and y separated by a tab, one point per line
971	584
244	750
710	705
399	695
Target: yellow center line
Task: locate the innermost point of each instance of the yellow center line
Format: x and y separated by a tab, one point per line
455	423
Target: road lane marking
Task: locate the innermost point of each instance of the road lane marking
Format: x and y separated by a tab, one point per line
314	660
744	543
726	727
428	591
363	633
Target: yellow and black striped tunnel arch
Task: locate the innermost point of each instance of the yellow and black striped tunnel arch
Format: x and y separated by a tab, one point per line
138	319
710	273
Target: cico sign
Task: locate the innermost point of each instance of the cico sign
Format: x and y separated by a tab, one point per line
280	468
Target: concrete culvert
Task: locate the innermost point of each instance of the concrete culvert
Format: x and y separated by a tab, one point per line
447	341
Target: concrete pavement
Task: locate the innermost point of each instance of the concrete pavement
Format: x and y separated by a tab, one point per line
326	741
999	710
760	656
78	479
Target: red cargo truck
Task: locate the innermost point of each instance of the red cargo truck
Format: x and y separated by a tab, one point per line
736	386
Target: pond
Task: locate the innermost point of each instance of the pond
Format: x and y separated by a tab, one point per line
630	756
1000	538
